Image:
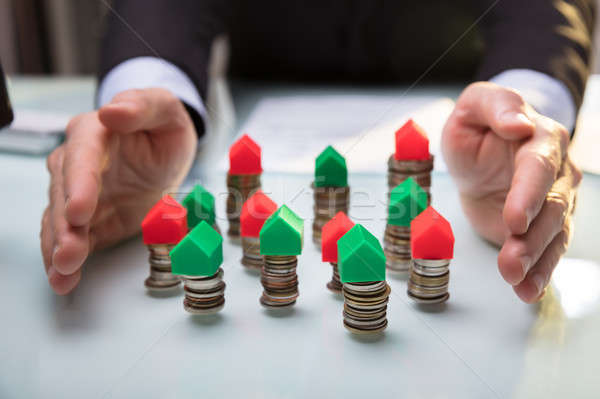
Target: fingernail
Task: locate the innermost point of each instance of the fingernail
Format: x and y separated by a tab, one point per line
515	117
54	251
521	117
539	282
120	104
525	263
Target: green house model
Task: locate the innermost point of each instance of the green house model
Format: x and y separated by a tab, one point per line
282	234
199	253
360	256
407	200
200	205
330	169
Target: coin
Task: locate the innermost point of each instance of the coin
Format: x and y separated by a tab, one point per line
328	201
428	301
362	331
240	188
365	306
160	278
335	285
396	247
279	281
429	279
427	267
204	294
398	171
251	257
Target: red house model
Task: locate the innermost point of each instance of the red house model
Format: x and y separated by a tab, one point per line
245	157
255	211
332	231
412	143
431	236
166	223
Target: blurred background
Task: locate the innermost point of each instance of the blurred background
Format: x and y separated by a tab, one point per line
50	36
62	36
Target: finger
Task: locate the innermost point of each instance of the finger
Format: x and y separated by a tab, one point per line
85	157
536	168
62	284
46	240
147	109
488	105
70	246
520	253
532	287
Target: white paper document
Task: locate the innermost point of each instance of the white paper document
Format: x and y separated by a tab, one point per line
292	131
34	131
584	148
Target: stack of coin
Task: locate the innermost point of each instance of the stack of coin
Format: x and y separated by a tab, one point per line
398	171
407	201
239	187
280	281
335	284
255	211
204	295
396	246
328	202
428	281
160	277
251	257
332	231
365	306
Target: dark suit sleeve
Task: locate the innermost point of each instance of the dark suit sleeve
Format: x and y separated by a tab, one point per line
180	32
550	36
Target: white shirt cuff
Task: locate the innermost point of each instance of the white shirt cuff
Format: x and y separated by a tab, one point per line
147	72
549	96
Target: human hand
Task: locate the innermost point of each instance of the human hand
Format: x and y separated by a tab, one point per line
114	165
516	181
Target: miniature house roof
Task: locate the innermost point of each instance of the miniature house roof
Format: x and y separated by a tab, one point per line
255	211
282	234
200	253
412	143
407	200
332	231
244	157
431	236
330	169
200	205
360	256
165	223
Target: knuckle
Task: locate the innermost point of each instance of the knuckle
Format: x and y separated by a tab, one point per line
559	202
563	135
472	89
477	85
72	125
564	238
547	163
577	174
513	96
52	162
128	95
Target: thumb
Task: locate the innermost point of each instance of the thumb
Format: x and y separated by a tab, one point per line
145	109
488	105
